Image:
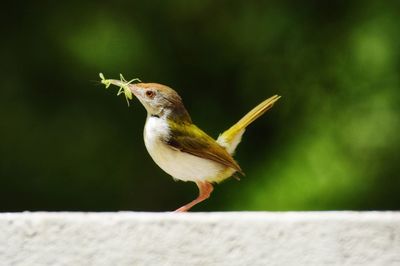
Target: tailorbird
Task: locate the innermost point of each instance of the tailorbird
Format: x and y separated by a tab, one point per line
178	146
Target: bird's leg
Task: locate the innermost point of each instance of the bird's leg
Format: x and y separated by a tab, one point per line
205	190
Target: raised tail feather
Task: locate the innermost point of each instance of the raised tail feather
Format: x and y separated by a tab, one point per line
232	137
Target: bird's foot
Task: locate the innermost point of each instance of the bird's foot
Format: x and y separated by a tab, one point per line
205	190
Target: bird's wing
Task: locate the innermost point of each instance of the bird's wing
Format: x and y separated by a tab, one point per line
190	139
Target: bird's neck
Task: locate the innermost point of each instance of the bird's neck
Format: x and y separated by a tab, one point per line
177	114
156	127
158	124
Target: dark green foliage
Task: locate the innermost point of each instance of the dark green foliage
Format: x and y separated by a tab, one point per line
332	141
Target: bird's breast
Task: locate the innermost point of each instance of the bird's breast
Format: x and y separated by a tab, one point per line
180	165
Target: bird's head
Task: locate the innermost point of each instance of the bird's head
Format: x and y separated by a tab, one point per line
158	100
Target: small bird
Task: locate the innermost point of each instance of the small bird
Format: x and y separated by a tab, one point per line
178	146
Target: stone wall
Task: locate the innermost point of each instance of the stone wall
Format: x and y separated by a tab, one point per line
232	238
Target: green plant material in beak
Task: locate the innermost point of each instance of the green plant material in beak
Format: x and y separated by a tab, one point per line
122	83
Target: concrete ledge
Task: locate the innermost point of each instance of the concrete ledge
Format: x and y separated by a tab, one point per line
239	238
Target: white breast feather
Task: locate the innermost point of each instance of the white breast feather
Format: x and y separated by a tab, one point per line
180	165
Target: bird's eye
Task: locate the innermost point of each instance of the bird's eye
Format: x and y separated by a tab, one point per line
150	94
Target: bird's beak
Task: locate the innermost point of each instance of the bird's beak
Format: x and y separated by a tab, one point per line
135	89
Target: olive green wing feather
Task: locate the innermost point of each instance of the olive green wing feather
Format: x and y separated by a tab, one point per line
190	139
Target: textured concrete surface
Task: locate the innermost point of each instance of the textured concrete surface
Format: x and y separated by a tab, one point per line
241	238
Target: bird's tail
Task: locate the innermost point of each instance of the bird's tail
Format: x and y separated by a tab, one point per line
232	137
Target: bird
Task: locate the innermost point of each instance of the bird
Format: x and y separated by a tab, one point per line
178	146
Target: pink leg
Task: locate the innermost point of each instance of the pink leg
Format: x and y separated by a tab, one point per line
205	190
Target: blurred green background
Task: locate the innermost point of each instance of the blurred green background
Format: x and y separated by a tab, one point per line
330	143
